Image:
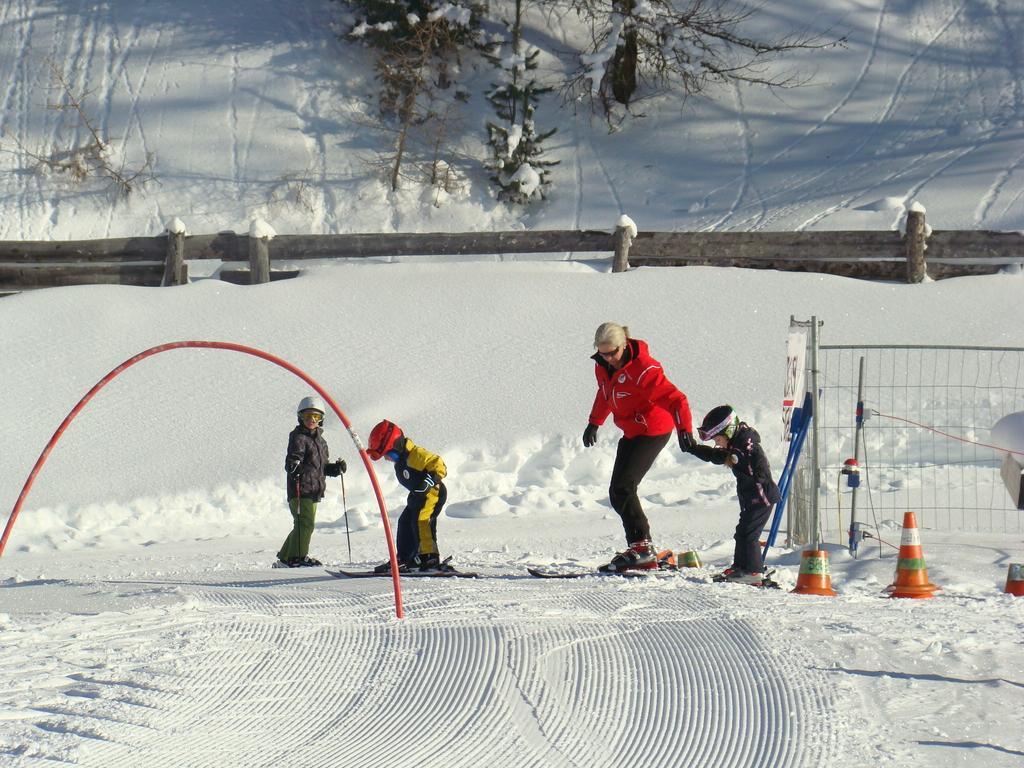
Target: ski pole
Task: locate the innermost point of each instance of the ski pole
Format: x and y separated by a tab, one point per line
295	517
344	506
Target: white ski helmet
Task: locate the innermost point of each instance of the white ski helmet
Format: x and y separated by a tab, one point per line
311	404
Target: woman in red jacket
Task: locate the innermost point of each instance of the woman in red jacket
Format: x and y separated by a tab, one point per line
647	407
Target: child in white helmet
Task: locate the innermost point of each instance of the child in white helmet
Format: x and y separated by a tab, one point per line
306	466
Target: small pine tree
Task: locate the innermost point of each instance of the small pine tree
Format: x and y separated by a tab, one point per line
419	47
519	170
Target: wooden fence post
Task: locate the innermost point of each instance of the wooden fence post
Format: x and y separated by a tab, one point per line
175	268
625	231
260	235
915	240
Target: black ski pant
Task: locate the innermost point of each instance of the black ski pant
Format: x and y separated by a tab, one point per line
747	556
417	525
633	458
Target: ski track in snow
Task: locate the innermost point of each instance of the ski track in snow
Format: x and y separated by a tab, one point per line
560	677
870	135
746	182
1011	47
17	91
577	166
763	219
608	180
846	99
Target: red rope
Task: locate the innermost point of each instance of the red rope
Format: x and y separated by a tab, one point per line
946	434
869	535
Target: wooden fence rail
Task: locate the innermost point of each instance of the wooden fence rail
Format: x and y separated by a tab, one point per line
163	259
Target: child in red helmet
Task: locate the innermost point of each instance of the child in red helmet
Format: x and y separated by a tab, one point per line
738	446
421	473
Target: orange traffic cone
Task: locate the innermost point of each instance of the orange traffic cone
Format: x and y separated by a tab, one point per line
814	578
911	573
1015	580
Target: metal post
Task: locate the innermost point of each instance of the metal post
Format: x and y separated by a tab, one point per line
815	479
857	437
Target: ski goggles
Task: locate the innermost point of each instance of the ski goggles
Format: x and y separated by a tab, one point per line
314	415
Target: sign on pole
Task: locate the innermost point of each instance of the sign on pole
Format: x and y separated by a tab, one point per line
793	394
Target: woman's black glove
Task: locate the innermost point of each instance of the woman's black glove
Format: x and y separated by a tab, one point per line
590	435
686	441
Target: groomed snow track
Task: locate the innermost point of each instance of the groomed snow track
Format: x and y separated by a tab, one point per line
502	671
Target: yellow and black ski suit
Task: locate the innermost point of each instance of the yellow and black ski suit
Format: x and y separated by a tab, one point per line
421	473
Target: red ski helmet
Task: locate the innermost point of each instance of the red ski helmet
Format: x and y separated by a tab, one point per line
383	438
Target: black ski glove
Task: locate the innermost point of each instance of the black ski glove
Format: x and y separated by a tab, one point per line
686	441
293	468
590	435
334	469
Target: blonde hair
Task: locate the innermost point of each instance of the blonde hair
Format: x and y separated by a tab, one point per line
611	333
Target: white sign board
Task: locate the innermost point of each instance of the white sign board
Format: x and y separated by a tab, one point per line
793	393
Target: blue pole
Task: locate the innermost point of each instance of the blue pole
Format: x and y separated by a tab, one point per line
798	426
785	479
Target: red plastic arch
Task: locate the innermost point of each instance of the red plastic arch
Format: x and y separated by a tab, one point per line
234	348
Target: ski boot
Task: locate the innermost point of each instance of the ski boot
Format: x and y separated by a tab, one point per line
403	567
753	579
298	562
639	557
724	575
433	562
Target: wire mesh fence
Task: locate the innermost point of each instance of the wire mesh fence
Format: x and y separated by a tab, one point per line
928	410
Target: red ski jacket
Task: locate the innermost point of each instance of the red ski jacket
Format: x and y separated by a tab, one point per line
639	396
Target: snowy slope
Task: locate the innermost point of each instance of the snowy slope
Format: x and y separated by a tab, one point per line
139	619
257	109
138	603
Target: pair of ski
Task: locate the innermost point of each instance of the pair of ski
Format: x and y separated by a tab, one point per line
445	571
666	564
539	573
663	569
451	574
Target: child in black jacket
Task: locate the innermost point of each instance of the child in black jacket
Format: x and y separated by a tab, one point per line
738	446
306	466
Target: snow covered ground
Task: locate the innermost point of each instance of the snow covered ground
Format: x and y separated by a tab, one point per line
142	621
139	618
256	108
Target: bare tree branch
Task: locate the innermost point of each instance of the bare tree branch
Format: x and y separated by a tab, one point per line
643	48
92	158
